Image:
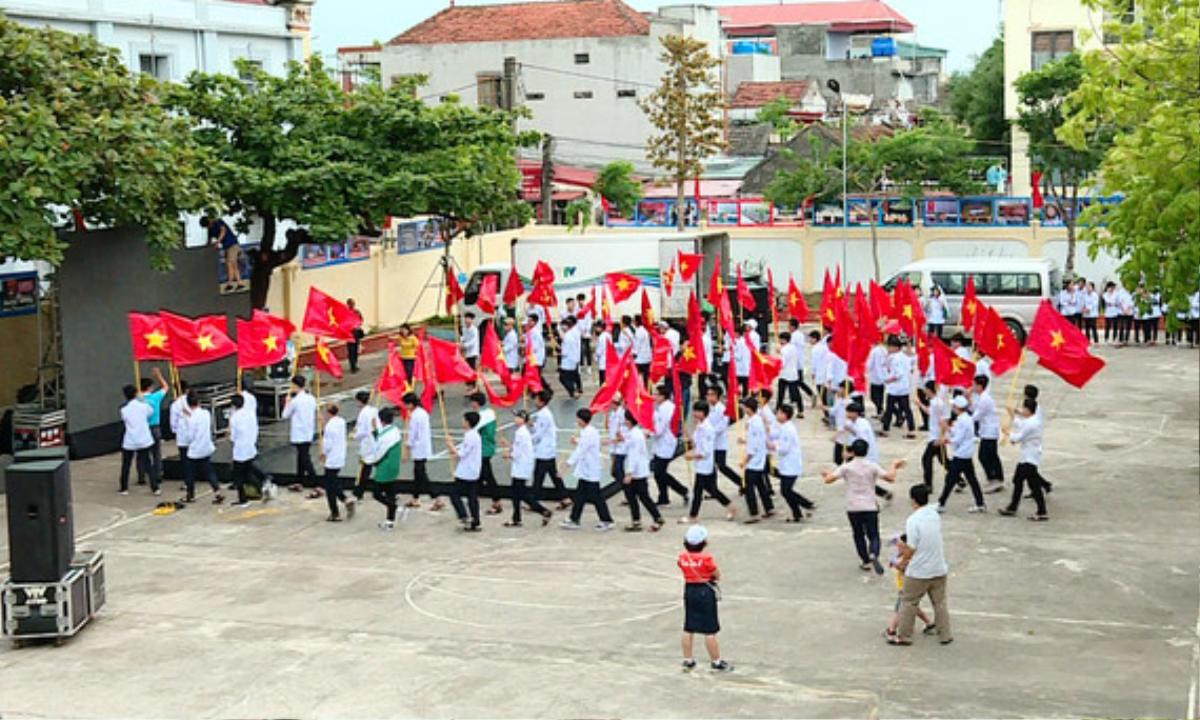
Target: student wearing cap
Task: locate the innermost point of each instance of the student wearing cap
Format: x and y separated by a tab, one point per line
585	460
861	475
522	458
634	467
700	596
755	463
961	439
1027	433
467	471
703	453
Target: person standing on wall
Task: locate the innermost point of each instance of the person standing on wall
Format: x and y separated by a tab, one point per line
221	236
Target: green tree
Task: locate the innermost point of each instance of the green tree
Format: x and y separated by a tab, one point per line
616	184
906	164
775	114
81	136
300	148
977	100
1146	84
687	110
1065	169
579	214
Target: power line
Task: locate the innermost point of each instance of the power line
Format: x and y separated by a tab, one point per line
587	76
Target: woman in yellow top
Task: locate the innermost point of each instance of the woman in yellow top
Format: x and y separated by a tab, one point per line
406	347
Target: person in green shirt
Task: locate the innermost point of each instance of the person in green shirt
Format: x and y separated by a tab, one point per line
487	432
385	460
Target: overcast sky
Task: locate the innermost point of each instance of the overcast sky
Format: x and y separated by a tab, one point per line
964	27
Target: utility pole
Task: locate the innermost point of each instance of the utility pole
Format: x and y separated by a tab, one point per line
548	179
508	87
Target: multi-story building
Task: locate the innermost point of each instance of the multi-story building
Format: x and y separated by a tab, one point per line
1036	32
579	66
171	38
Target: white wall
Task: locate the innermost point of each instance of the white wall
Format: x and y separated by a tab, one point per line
859	266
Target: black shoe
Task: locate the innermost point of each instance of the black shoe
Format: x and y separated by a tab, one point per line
876	566
1006	512
721	666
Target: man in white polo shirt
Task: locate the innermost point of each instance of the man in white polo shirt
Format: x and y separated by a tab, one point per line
923	561
137	440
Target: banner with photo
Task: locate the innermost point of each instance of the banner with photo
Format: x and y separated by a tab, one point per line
354	249
417	235
18	294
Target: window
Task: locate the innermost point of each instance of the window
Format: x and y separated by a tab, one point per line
1010	284
583	94
156	66
1048	46
628	93
913	278
247	71
535	96
488	89
582	58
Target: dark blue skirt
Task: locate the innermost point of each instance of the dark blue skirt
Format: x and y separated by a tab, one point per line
700	609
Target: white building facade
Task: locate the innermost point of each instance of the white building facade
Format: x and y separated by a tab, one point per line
172	38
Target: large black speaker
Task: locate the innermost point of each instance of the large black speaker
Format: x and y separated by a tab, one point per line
41	531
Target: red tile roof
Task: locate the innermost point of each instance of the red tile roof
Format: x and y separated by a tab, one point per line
867	15
527	21
757	94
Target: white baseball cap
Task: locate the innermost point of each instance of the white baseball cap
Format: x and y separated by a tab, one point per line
696	534
752	323
960	402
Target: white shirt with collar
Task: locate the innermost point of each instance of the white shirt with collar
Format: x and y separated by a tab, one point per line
420	438
585	459
756	443
251	404
136	416
1091	303
664	437
720	425
1027	432
838	370
545	435
741	356
877	365
571	348
799	343
534	340
522	454
643	349
637	454
618	430
939	412
470	341
364	429
243	432
600	353
790	371
861	429
707	342
199	434
333	443
704	445
470	457
1111	308
624	340
177	415
672	336
983	412
962	437
898	381
511	345
788	452
820	362
923	530
301	411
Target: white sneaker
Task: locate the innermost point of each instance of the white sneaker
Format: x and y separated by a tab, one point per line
387	525
568	525
994	487
240	505
977	509
604	526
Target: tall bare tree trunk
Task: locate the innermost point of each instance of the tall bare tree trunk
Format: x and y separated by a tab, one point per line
267	258
1071	218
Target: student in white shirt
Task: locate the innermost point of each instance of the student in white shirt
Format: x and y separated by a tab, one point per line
243	433
1027	432
800	342
585	460
419	444
545	449
603	340
511	345
521	454
665	446
625	335
820	368
987	423
898	385
935	312
1126	306
741	359
535	344
1067	299
466	472
470	340
300	409
755	462
1112	312
720	425
837	420
635	471
938	410
877	376
789	375
643	349
568	363
365	426
333	459
1090	310
586	320
703	454
200	448
961	441
137	441
177	419
790	462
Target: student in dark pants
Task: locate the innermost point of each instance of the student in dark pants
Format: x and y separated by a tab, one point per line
300	409
961	440
755	463
357	336
521	455
466	472
633	472
585	462
333	455
862	510
385	459
1027	432
703	453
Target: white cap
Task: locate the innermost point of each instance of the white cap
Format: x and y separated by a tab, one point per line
752	323
960	402
696	534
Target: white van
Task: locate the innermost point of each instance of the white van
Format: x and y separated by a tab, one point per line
1015	287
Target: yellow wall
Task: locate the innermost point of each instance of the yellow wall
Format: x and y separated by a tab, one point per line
19	338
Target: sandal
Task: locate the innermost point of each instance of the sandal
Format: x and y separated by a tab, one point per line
658	525
894	640
414	503
313	495
495	510
437	505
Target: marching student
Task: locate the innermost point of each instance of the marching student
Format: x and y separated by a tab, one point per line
987	421
700	595
545	449
772	425
511	345
703	453
706	341
961	439
665	446
177	417
1027	432
861	476
266	484
898	385
200	449
741	360
300	409
568	364
635	472
1031	392
877	376
470	340
243	432
938	410
521	455
799	341
755	340
535	345
586	321
333	459
466	472
137	441
585	460
365	426
719	422
419	444
386	451
625	335
789	375
487	434
643	349
603	340
616	428
755	462
790	462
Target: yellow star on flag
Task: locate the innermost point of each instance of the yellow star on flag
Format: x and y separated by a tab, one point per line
720	285
999	341
829	313
907	312
205	342
332	320
971	307
155	339
623	284
323	352
957	365
271	343
793	299
1056	339
688	352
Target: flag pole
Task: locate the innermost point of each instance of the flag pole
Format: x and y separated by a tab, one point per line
137	375
1012	387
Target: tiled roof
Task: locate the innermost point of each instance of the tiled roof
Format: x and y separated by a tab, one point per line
851	15
527	21
757	94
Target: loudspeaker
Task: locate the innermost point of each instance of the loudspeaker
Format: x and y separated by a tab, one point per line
41	530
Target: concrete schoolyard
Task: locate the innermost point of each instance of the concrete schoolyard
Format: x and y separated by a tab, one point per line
272	612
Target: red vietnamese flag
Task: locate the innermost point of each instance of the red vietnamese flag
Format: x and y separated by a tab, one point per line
838	290
716	286
513	287
423	372
905	307
257	345
449	365
614	379
764	369
393	382
621	285
866	335
828	299
148	337
328	317
491	354
676	394
638	401
324	360
970	306
487	294
771	297
949	368
732	392
198	341
725	315
881	302
531	376
924	353
691	352
744	296
647	310
797	308
996	340
454	291
513	396
662	357
544	295
1061	347
843	331
280	327
588	309
689	265
668	280
543	274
